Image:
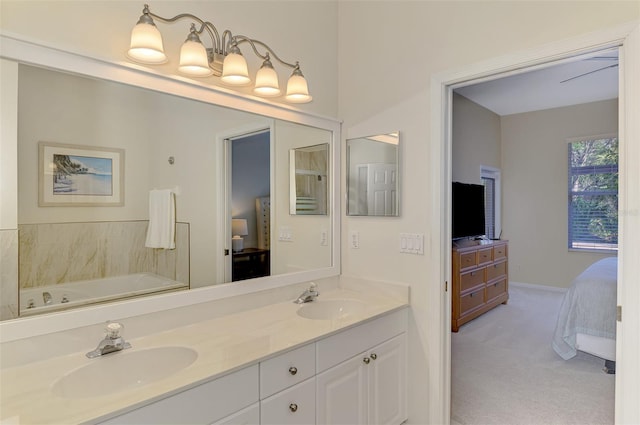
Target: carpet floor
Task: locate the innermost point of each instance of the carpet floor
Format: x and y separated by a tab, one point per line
504	370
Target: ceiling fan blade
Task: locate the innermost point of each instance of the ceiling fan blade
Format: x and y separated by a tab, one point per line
590	72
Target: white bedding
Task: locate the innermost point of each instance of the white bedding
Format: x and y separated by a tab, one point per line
589	307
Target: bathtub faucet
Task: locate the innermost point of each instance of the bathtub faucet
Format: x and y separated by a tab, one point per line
46	297
112	342
308	295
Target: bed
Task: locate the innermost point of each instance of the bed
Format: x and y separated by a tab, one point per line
587	317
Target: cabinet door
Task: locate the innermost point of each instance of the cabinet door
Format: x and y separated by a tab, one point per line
388	382
342	393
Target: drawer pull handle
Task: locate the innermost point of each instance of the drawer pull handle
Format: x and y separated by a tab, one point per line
471	295
293	407
366	360
293	370
374	356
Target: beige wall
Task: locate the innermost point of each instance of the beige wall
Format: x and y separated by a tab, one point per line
475	140
534	182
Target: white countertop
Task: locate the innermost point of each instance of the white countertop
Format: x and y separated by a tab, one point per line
224	344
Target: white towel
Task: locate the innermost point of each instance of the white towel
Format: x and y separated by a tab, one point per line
162	220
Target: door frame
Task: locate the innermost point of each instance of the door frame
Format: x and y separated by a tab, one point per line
627	39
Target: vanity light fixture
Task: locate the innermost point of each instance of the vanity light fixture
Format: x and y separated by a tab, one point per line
224	59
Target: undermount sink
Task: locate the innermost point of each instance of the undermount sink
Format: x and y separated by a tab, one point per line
331	309
123	370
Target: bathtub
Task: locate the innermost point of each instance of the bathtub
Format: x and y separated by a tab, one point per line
75	294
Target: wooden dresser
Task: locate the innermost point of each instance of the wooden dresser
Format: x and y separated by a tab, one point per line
480	280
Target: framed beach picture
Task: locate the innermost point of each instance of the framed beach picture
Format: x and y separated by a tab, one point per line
73	175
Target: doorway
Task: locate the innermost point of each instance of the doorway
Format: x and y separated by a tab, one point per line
535	220
249	205
628	39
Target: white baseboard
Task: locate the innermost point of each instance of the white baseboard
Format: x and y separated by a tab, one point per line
536	286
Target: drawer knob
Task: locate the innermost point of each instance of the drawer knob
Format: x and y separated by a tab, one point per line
293	407
366	360
374	356
293	370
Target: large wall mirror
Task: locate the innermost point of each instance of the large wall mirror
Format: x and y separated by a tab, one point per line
372	175
76	255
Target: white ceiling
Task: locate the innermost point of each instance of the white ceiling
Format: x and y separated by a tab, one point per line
545	89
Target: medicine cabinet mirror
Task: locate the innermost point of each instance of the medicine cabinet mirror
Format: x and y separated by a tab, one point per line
309	169
372	175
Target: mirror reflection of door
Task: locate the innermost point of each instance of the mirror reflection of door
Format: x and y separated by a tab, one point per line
250	199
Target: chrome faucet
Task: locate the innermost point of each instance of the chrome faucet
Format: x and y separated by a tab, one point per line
308	295
46	298
112	342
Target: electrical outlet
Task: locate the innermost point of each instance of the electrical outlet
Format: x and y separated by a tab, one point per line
354	240
324	238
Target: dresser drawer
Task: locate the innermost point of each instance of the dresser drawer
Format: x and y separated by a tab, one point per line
499	252
470	279
471	301
287	369
485	256
496	270
495	289
468	260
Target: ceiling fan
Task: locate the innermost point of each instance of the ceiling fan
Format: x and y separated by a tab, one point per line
602	58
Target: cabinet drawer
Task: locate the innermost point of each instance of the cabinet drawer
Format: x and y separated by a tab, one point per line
485	256
471	301
287	369
470	279
496	270
339	347
206	403
467	260
499	252
495	289
296	405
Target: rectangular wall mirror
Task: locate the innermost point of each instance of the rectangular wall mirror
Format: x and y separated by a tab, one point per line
372	175
69	256
309	169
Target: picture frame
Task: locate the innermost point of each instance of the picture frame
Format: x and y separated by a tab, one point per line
76	175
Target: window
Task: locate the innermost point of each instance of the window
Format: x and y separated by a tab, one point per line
593	194
491	180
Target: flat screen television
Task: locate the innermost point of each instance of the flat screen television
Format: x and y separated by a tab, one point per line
467	210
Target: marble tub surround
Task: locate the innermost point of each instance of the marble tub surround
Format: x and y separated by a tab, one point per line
54	253
224	342
8	274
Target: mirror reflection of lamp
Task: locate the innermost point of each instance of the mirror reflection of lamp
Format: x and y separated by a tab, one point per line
238	230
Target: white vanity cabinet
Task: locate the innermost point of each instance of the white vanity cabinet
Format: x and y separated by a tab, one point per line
369	387
355	376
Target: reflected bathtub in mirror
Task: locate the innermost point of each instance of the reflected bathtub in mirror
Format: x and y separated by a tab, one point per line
372	175
309	186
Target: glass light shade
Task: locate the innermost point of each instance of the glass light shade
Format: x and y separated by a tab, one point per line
297	90
267	82
193	60
146	44
235	71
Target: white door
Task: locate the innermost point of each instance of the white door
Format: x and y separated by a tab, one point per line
342	393
381	189
388	382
